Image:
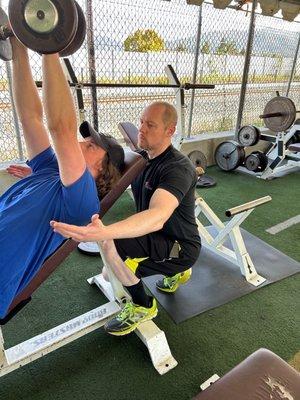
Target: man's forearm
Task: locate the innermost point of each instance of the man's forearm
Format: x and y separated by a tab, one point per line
136	225
58	101
25	92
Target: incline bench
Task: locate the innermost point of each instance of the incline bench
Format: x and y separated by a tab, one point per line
261	376
57	337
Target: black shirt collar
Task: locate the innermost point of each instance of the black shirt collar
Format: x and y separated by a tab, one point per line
160	156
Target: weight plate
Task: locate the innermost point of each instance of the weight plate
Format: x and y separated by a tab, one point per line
42	25
229	155
205	181
79	35
198	159
252	162
282	105
248	135
5	46
264	161
256	161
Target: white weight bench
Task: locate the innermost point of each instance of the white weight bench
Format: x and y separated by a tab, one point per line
239	255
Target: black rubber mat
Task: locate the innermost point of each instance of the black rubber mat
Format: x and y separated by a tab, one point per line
216	281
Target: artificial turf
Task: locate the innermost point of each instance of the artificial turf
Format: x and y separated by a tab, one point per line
99	366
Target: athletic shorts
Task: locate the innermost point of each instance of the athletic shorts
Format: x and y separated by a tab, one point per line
150	255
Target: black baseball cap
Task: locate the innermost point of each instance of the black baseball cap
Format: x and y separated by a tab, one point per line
108	143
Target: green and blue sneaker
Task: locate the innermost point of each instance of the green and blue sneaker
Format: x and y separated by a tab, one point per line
129	318
169	284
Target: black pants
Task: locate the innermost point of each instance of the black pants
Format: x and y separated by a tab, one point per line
155	248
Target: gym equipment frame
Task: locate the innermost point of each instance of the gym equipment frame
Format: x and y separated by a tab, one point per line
48	341
283	158
239	255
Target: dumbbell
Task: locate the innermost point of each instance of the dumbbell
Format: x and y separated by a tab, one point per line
44	26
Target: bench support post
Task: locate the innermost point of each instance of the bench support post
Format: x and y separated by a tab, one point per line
239	255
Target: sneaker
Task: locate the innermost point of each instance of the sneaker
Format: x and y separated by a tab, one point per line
170	284
129	318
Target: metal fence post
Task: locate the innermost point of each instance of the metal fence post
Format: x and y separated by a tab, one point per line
293	68
246	66
195	70
91	60
14	112
15	117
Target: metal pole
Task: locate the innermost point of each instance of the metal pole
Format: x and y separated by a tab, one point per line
246	66
195	70
91	59
15	117
14	112
293	68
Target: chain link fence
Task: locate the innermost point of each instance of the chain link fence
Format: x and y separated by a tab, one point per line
131	42
274	50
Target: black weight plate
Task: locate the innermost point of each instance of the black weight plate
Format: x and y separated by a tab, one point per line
79	35
229	155
54	40
248	135
5	46
256	161
205	181
252	162
264	161
284	105
198	159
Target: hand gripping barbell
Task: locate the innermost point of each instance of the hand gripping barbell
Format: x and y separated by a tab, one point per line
45	26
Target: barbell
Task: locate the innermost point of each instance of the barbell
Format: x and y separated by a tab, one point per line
44	26
279	114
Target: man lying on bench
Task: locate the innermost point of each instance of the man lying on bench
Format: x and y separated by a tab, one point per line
141	244
64	185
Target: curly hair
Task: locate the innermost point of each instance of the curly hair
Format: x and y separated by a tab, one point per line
107	178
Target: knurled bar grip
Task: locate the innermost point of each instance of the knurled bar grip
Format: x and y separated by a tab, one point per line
247	206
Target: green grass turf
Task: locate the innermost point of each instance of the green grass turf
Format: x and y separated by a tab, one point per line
99	366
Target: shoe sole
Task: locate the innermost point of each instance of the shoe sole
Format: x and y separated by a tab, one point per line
168	290
132	328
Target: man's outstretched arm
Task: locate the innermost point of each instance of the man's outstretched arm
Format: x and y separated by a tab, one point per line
61	118
162	205
27	101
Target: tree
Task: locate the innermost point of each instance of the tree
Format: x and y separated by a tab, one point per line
205	49
227	48
144	41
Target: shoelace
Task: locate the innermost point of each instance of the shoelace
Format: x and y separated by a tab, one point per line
127	311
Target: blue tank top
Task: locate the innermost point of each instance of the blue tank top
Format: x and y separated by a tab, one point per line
26	209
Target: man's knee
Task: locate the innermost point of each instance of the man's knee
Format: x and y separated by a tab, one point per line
107	246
